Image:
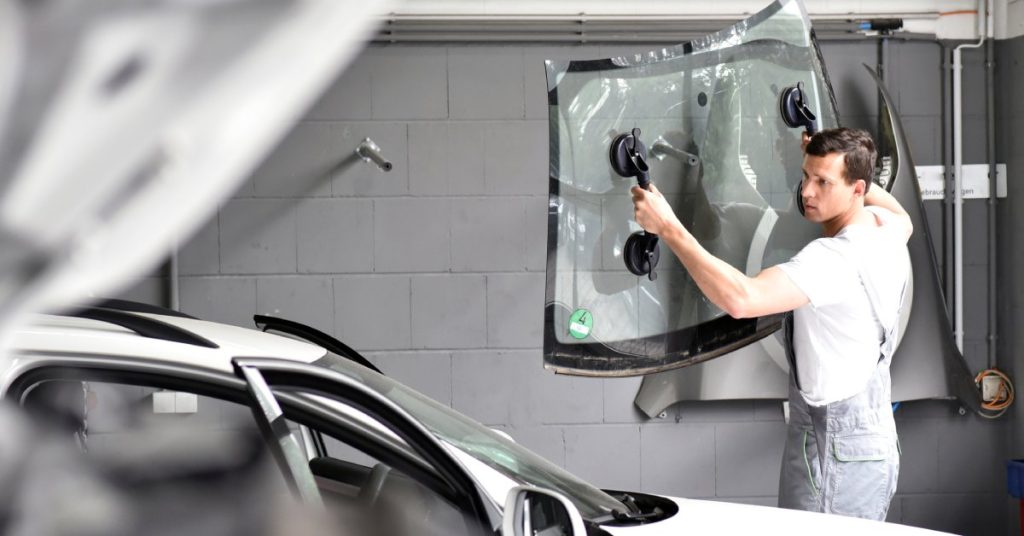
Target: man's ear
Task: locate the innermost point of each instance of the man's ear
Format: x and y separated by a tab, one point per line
860	186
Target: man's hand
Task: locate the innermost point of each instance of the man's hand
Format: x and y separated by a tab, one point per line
805	138
653	212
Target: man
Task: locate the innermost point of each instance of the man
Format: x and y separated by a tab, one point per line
845	290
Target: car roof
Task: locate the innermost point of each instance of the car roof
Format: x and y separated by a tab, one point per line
64	335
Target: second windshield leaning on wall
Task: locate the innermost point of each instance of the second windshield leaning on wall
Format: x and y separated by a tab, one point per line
718	148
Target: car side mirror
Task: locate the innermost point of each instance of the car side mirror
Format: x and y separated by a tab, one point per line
531	511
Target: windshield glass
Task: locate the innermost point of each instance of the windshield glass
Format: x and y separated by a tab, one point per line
484	444
716	144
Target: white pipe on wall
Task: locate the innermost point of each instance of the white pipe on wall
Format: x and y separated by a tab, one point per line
958	149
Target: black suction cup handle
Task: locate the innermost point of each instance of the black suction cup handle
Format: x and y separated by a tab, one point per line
643	171
627	156
794	109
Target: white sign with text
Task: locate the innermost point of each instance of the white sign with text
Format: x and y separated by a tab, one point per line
974	184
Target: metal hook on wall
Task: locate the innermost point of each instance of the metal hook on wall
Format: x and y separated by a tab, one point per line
370	153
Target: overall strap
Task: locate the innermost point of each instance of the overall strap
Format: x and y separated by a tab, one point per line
889	334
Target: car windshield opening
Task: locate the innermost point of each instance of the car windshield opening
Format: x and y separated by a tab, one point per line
489	447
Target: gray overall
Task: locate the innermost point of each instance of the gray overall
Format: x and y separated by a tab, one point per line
843	458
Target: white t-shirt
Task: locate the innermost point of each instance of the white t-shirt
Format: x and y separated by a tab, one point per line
837	337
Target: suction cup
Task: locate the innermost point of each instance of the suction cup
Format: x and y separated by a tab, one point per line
642	254
627	155
794	109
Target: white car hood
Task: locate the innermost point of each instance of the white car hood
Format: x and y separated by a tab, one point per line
713	517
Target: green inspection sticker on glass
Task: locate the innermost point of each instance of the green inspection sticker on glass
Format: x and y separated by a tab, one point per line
580	323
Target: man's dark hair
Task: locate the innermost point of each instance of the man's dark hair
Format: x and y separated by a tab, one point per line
857	147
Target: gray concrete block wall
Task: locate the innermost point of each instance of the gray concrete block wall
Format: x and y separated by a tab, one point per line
436	271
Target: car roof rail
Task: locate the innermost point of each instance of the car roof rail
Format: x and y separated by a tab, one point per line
145	326
140	307
314	336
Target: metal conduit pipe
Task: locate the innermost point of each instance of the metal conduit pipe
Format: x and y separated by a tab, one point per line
174	292
585	29
990	121
947	163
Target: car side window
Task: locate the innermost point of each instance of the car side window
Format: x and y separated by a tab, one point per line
360	492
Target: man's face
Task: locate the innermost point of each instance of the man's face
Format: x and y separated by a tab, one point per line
826	195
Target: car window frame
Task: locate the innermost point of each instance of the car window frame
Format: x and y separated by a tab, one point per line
304	410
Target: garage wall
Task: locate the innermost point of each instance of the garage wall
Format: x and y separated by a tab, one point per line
436	272
1010	220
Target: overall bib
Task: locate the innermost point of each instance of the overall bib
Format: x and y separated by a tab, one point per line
843	457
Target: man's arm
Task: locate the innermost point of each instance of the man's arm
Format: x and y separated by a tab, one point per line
771	291
877	196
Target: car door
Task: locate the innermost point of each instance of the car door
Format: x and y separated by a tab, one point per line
438	496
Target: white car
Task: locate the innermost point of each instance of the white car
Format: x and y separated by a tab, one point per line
365	446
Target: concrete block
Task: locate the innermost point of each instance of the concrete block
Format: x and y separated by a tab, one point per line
536	233
201	254
957	513
299	165
975	301
487	235
547	441
589	449
152	290
564	399
768	410
619	394
919	462
975	131
486	82
495	387
748	458
429	373
512	388
515	310
361	179
449	311
335	235
372	312
961	466
517	158
429	158
466	156
925	137
864	122
926	409
220	299
309	300
856	93
974	82
715	411
411	235
349	97
915	78
409	82
535	83
678	459
257	236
